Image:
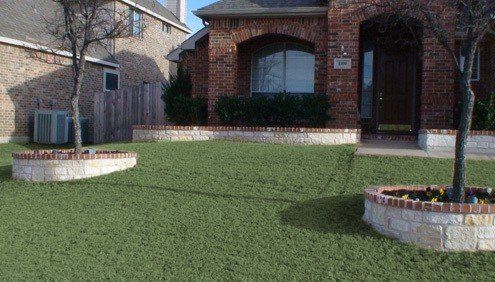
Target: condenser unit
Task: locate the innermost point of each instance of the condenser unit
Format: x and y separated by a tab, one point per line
51	127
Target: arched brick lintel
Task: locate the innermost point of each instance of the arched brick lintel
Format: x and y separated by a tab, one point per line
364	13
299	32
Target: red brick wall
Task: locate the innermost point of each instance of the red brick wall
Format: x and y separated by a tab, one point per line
437	97
228	75
197	63
337	36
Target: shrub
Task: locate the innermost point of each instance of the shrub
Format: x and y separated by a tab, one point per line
484	114
231	110
188	111
315	110
180	107
280	110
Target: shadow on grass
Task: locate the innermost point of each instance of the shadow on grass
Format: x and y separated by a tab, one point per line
336	214
5	173
194	192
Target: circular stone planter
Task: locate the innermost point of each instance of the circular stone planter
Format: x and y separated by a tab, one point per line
439	226
64	165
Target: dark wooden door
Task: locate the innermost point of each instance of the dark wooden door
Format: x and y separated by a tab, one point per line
396	87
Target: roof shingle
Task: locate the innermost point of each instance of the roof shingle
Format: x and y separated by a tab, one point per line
254	4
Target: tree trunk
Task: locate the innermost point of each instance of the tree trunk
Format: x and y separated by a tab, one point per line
76	124
461	144
78	79
465	121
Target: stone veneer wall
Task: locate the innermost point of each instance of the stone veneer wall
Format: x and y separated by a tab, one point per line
43	166
439	226
444	140
306	136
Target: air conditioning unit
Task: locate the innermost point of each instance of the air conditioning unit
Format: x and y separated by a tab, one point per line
51	127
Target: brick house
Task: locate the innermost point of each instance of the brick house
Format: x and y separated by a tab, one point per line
32	77
374	81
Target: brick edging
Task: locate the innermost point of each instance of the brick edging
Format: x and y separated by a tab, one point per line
454	132
69	155
376	195
246	128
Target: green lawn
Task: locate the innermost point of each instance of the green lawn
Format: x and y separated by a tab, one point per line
220	210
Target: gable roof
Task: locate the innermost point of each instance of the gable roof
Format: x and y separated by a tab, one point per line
23	23
158	9
263	7
188	45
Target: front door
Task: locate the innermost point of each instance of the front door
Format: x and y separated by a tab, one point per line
396	91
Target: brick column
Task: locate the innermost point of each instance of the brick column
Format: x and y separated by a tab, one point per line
222	70
342	87
321	63
438	84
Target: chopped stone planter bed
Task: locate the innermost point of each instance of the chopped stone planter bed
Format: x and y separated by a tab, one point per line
64	165
439	226
482	142
280	135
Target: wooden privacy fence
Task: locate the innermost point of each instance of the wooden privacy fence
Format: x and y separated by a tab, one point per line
115	112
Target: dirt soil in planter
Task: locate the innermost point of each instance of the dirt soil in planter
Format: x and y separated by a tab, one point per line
445	195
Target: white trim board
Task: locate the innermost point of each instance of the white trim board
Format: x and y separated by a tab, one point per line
46	49
151	13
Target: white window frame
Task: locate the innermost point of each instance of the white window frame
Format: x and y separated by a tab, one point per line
284	70
478	59
133	22
111	71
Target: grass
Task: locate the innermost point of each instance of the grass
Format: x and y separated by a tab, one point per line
220	210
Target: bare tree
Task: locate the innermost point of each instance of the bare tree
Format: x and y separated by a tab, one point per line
81	26
473	20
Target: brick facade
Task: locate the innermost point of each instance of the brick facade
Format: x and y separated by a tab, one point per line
25	78
197	64
142	59
233	40
232	43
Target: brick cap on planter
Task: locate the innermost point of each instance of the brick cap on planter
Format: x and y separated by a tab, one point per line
246	128
69	155
454	132
376	195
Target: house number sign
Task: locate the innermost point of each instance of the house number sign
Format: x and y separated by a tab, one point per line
342	63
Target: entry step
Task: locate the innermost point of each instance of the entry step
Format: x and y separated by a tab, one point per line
390	137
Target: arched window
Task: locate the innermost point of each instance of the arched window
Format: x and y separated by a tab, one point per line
283	68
